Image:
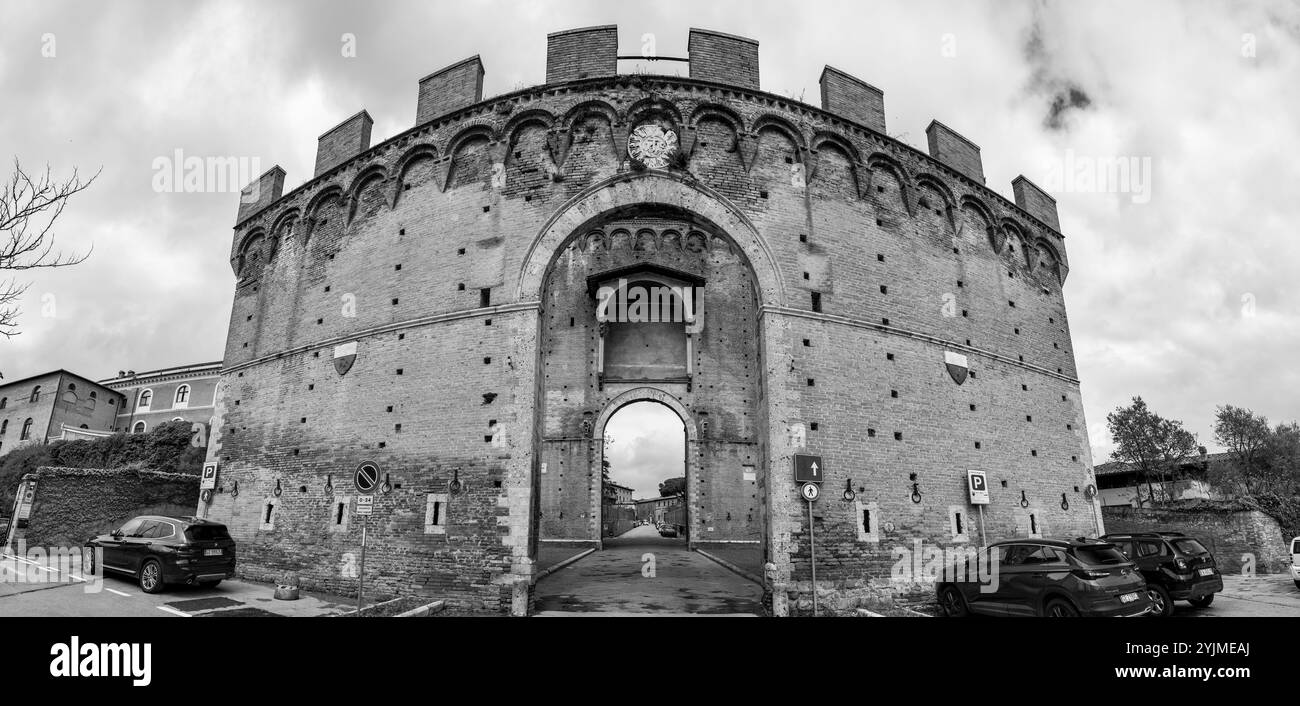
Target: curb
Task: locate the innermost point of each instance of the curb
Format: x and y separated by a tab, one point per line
730	567
423	611
552	569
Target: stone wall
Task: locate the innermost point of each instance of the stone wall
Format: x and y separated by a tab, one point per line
74	504
1230	532
454	257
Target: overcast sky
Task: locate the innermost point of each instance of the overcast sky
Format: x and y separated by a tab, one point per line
1182	286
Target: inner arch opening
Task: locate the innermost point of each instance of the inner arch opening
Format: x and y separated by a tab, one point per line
643	475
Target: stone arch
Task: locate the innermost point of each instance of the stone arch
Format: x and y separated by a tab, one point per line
535	116
831	141
410	157
652	394
360	182
586	108
1049	258
785	127
933	182
578	214
647	394
281	228
647	108
459	144
980	212
882	162
1018	236
248	255
714	111
322	197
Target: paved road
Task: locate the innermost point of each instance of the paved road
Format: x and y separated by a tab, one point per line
81	595
1262	596
613	581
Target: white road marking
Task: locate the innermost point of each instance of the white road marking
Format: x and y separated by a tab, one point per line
120	593
173	611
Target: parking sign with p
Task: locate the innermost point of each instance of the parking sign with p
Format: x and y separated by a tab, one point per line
978	484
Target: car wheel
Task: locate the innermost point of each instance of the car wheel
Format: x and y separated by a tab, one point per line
953	603
151	580
209	584
1203	601
1297	584
1164	605
1060	608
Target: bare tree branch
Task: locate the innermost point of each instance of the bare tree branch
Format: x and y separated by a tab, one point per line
29	207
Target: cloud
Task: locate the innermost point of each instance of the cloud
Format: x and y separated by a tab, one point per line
1206	92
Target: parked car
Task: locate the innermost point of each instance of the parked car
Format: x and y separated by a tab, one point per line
1047	577
667	531
1177	567
158	550
1295	561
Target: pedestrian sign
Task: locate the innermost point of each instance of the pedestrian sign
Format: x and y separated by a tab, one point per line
810	491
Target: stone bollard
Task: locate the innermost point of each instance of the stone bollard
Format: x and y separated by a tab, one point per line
287	589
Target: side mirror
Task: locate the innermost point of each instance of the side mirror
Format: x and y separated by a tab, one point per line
115	534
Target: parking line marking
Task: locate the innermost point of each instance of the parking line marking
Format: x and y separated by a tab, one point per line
173	611
120	593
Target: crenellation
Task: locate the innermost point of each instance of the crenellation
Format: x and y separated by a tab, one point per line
765	201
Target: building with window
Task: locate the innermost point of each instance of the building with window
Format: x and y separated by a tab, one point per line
183	393
45	407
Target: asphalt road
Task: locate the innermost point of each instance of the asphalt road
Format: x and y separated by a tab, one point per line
641	573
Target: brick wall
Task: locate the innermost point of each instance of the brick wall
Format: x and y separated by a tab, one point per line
909	259
954	150
581	53
853	98
343	142
74	504
450	89
1229	534
725	58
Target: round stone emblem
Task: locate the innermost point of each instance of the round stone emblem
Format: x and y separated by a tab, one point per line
652	145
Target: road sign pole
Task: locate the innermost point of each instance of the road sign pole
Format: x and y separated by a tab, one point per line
984	542
361	575
812	558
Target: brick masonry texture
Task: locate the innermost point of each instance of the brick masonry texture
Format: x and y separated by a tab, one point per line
1232	536
954	150
450	89
853	98
74	504
582	53
347	140
772	203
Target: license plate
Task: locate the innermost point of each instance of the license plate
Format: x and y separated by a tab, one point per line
1205	572
211	552
1128	598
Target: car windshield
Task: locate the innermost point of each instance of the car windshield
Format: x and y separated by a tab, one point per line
1190	546
201	533
1102	554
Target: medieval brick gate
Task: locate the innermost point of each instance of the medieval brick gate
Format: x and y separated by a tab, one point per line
429	304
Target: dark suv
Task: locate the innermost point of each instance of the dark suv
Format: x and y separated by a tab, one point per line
1176	566
1046	577
161	550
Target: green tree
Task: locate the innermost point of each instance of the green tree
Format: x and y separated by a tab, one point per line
672	486
1246	437
1152	445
